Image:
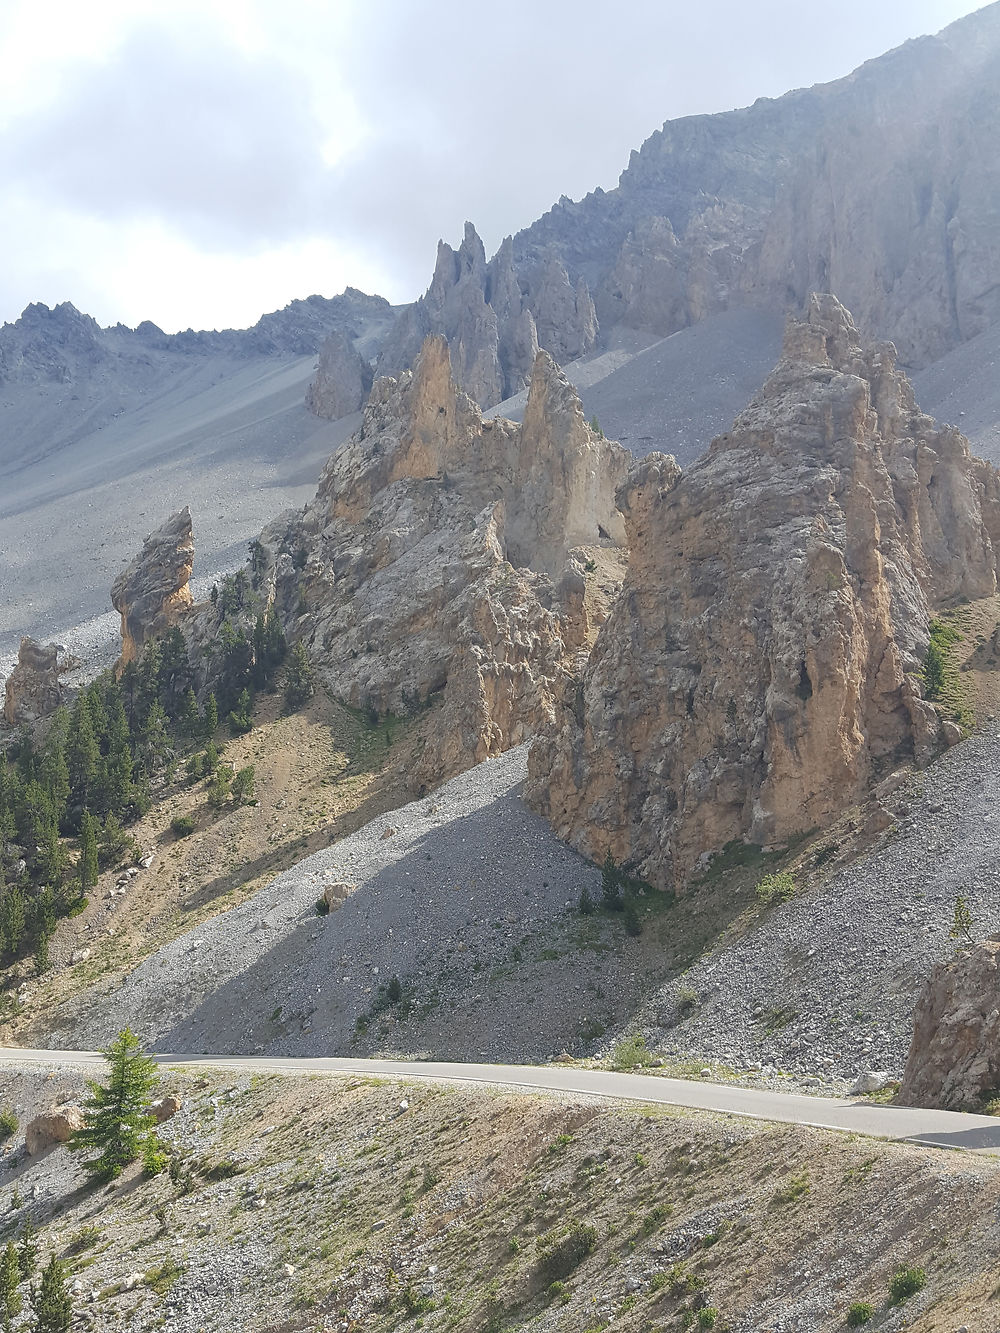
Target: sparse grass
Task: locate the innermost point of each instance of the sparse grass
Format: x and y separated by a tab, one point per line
776	888
793	1190
161	1279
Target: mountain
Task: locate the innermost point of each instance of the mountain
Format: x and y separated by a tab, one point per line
880	187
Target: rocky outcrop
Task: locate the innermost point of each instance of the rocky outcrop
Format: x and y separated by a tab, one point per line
33	689
343	379
493	319
52	1128
437	558
954	1057
758	669
153	592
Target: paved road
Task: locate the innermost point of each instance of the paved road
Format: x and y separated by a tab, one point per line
941	1129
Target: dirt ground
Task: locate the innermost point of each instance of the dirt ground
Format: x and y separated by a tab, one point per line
338	1203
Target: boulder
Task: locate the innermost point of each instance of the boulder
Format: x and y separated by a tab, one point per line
759	671
335	895
33	689
153	592
51	1128
165	1107
954	1056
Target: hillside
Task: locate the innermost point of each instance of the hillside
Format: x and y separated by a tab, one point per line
306	1204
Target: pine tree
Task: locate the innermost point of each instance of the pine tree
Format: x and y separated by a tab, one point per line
88	852
51	1301
10	1279
27	1250
117	1119
298	677
211	716
13	917
189	717
245	785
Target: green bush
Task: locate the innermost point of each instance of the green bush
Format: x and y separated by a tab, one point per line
8	1122
322	907
587	905
633	925
904	1283
776	888
860	1313
560	1255
631	1053
707	1316
394	990
182	826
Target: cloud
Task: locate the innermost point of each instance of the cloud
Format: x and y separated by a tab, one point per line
224	146
199	155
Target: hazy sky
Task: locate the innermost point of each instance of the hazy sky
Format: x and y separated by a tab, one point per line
198	162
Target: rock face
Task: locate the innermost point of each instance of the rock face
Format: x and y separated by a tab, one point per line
880	187
33	689
954	1057
152	592
437	556
343	379
52	1128
757	670
493	320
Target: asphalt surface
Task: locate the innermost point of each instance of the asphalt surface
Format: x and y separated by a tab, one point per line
931	1129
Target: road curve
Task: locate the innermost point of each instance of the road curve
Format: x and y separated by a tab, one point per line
932	1129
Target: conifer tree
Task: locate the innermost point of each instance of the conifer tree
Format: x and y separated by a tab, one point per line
88	852
27	1250
117	1121
298	677
51	1301
211	716
10	1279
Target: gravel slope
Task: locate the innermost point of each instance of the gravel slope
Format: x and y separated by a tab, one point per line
963	388
465	873
844	962
232	439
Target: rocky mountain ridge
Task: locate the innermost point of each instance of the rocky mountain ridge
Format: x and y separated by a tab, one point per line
760	667
64	346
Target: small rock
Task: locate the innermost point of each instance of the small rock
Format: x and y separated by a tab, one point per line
289	1270
706	1072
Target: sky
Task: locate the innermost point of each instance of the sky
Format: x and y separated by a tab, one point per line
200	162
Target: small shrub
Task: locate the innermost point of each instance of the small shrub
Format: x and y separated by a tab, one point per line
962	923
687	999
587	905
777	888
394	990
413	1303
195	766
322	907
162	1279
245	785
633	925
631	1053
904	1283
707	1316
794	1189
8	1122
154	1157
182	826
559	1256
611	884
860	1313
84	1239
